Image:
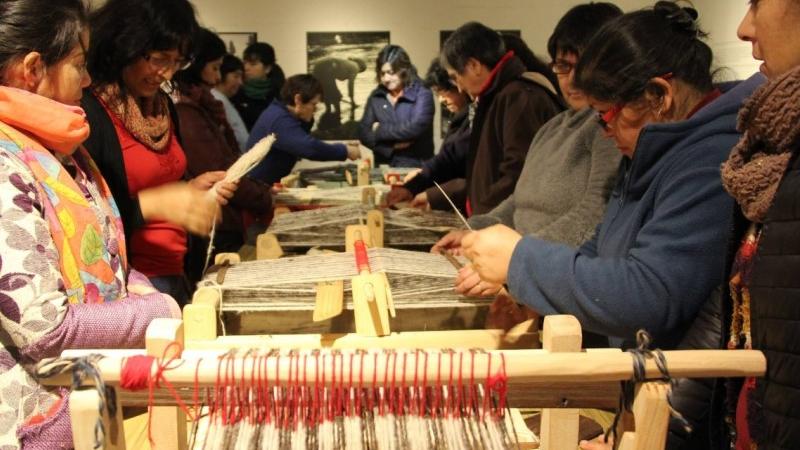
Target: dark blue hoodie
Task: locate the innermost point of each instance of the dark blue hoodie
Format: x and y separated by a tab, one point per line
660	249
293	142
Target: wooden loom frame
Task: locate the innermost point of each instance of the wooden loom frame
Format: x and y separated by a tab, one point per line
561	366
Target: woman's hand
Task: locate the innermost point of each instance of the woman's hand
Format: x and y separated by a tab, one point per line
398	194
181	204
598	443
469	283
451	242
353	150
402	145
490	251
421	202
213	180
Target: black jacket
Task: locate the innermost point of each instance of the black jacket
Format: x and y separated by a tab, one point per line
448	167
251	108
775	319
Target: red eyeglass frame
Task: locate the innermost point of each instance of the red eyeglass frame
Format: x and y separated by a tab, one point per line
606	117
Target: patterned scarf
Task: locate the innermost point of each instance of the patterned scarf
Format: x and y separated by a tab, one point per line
769	121
89	238
149	121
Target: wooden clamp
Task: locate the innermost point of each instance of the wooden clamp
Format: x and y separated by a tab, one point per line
369	196
375	224
372	297
268	247
363	176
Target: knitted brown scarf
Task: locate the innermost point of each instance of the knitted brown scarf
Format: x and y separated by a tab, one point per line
770	121
148	121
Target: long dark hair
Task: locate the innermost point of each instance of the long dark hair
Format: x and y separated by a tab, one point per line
125	30
50	27
207	47
629	51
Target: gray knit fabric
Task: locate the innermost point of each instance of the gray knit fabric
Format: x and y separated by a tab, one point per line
564	186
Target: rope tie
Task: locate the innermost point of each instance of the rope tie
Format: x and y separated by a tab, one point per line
82	368
640	355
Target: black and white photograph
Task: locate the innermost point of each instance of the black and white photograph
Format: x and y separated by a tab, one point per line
237	41
344	62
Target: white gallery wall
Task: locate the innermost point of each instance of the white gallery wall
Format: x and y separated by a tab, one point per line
415	24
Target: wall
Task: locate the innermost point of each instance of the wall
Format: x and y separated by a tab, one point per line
414	24
720	18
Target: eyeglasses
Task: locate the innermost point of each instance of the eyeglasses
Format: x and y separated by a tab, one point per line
561	67
162	63
604	119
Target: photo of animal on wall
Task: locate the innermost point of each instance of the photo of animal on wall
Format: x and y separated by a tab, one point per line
344	62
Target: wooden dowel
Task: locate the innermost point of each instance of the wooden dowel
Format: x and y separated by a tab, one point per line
520	366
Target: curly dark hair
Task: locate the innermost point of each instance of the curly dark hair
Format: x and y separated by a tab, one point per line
125	30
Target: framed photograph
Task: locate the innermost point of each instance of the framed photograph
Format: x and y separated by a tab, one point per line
446	116
237	41
344	62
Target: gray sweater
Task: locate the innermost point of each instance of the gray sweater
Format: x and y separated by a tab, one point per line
564	186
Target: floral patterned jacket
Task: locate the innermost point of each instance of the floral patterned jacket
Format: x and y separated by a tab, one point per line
37	321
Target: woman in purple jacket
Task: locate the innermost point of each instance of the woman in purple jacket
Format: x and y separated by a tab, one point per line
398	119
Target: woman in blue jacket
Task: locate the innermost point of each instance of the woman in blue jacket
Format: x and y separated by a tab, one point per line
656	258
398	119
291	119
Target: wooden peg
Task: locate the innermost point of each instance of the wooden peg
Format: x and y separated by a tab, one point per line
329	301
83	416
200	317
348	177
290	180
559	427
231	258
368	196
363	173
375	222
651	418
268	247
371	294
168	422
353	233
281	210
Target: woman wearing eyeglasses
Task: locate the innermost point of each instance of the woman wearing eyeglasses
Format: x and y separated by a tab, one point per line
656	258
139	45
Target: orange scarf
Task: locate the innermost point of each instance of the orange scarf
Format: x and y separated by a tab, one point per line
37	130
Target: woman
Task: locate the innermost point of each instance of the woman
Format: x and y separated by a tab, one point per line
398	119
66	282
139	47
655	259
230	82
762	175
210	145
449	166
291	119
570	167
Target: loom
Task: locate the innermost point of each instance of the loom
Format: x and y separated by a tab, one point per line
281	295
317	391
402	228
314	197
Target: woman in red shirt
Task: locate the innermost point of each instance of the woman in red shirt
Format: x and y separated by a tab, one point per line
139	46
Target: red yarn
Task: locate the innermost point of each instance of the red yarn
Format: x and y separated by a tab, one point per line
137	374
